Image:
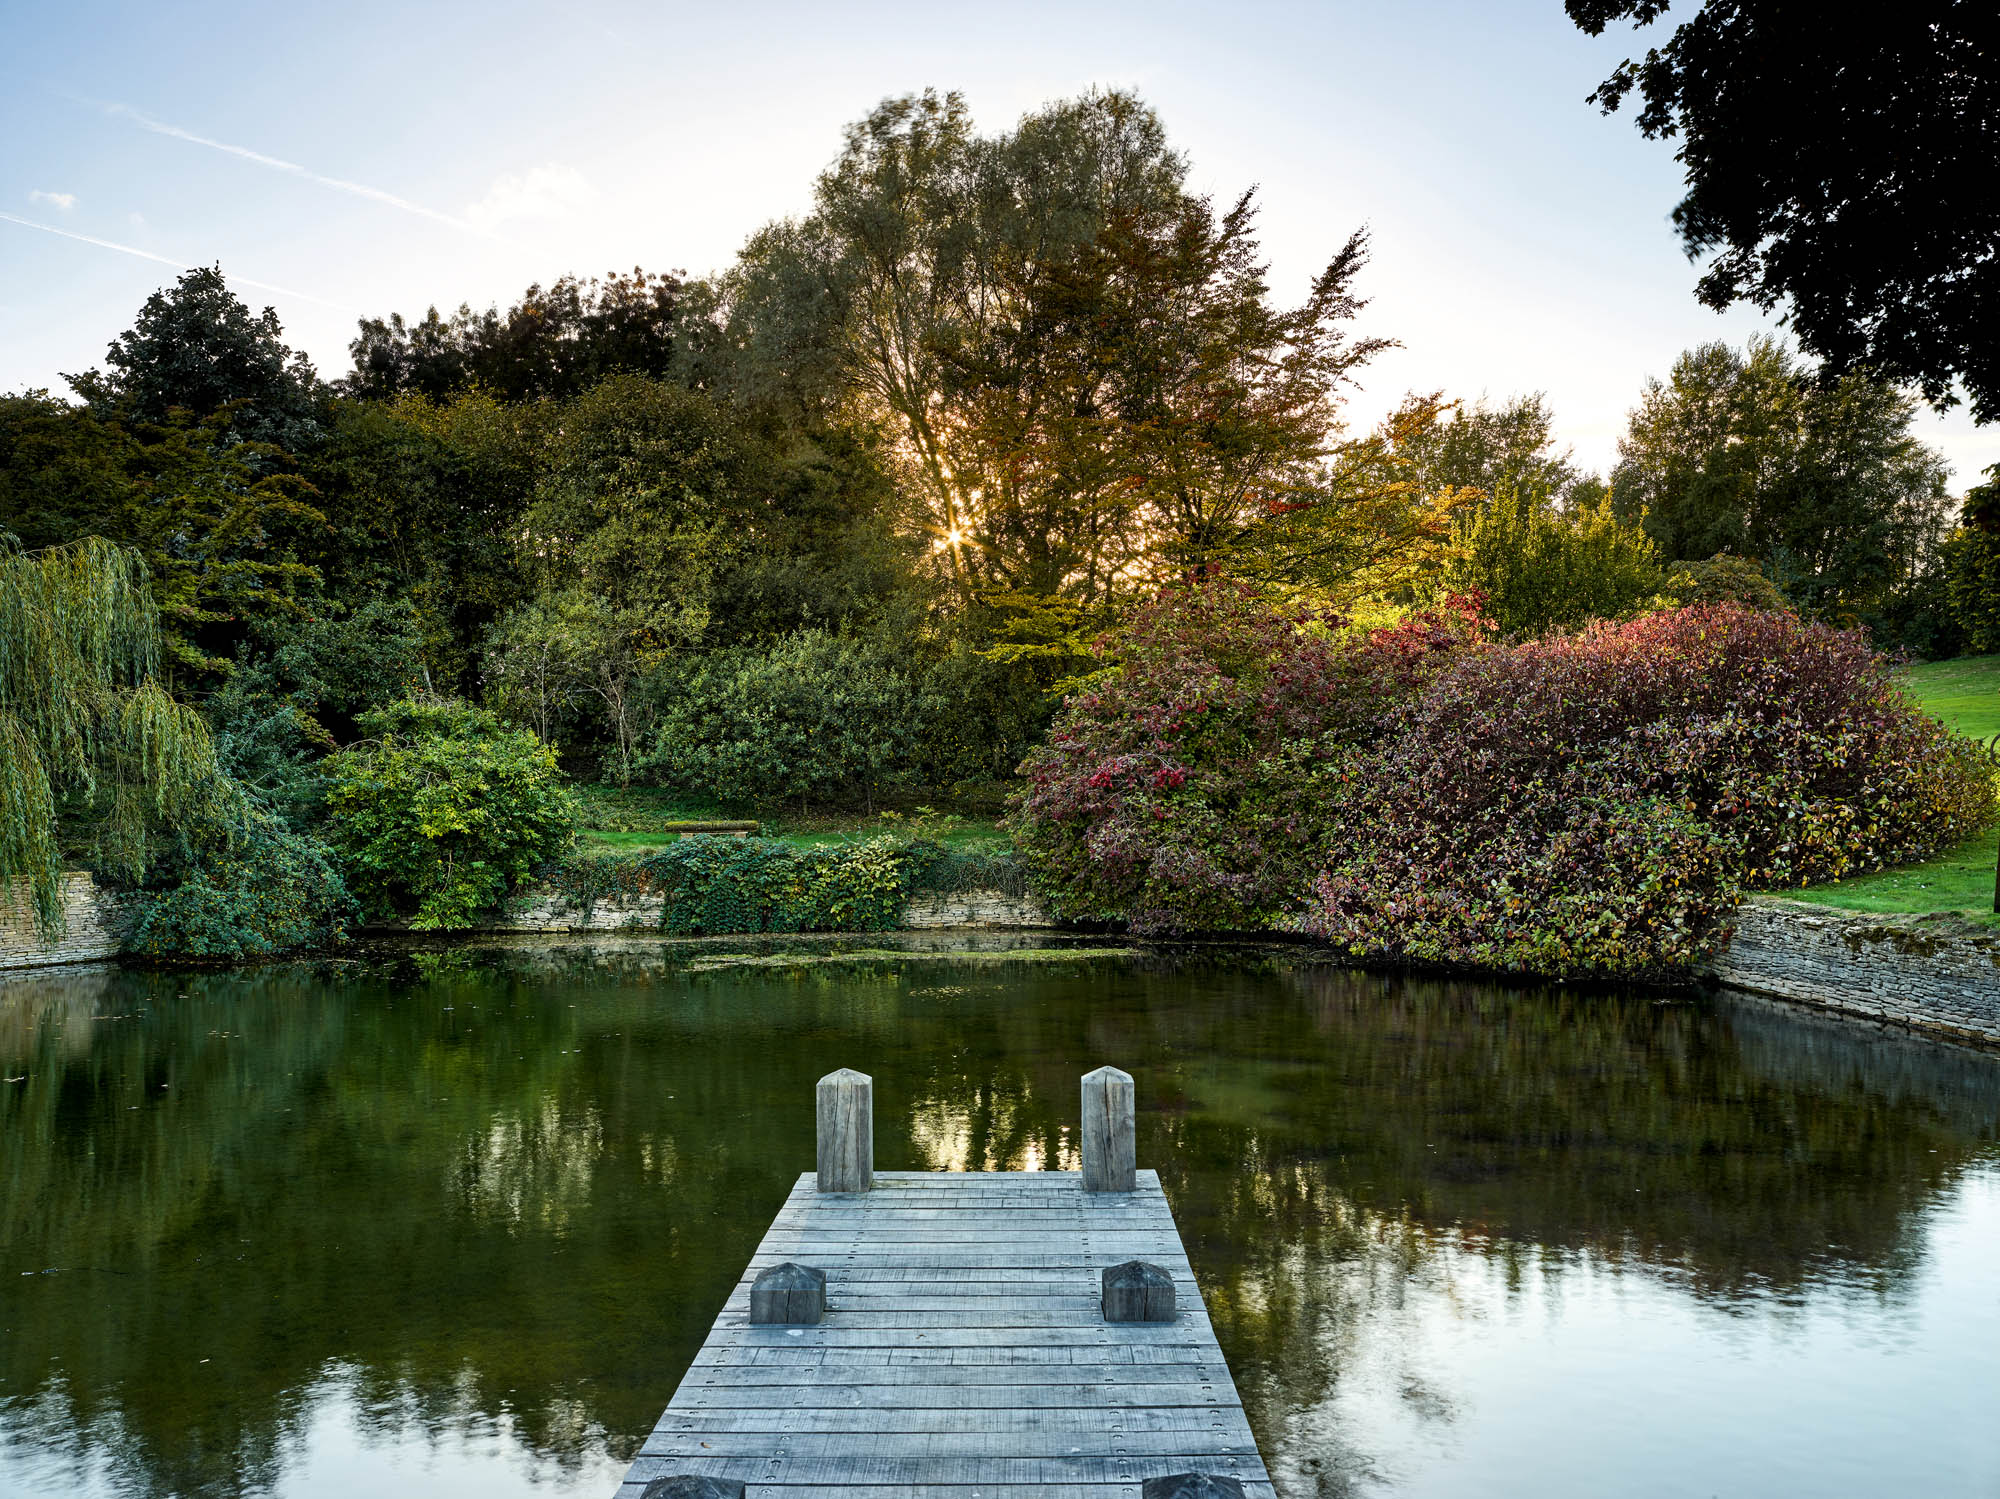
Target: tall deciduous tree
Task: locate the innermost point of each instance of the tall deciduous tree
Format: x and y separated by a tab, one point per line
553	343
196	347
1846	167
1822	484
1077	360
1487	446
1972	565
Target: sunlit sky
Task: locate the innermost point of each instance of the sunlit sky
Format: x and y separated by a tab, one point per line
359	159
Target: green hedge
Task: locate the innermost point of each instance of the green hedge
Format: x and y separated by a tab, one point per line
713	885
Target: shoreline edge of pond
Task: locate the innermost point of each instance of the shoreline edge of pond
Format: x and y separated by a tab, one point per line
1935	975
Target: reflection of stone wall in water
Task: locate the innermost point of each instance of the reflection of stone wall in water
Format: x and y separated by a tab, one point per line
1935	974
98	921
68	1002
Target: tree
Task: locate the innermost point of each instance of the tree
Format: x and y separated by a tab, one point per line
64	473
552	344
1972	566
424	499
1848	171
1823	484
1486	447
83	717
570	646
646	493
1540	567
197	348
226	527
1074	358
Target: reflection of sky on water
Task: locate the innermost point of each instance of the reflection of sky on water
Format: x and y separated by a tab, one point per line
340	1444
1473	1374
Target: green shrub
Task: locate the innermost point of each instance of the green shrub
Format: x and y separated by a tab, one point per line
717	885
1540	568
444	811
812	718
1725	579
269	892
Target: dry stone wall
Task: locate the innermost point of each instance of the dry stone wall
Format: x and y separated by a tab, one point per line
1934	974
543	910
97	922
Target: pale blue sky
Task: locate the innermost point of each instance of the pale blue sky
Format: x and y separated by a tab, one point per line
418	153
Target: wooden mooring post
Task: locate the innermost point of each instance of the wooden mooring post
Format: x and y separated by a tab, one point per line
1009	1334
846	1131
1110	1131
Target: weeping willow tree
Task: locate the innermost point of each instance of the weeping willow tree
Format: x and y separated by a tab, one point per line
85	722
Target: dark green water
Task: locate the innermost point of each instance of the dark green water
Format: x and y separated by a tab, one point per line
452	1223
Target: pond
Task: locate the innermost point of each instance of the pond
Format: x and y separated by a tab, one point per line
452	1221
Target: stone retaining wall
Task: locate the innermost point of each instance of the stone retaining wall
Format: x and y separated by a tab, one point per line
1934	974
97	921
547	911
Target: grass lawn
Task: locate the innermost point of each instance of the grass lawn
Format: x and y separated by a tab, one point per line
629	820
1961	881
1966	695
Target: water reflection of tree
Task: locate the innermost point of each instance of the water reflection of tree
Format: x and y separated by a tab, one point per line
515	1187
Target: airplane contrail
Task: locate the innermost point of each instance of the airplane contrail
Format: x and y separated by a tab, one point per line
279	164
111	244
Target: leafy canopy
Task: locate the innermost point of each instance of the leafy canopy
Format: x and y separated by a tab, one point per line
1846	167
84	717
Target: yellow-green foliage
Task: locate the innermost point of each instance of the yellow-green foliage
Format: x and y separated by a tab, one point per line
82	714
1542	568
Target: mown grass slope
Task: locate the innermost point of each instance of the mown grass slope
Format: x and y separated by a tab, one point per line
1966	695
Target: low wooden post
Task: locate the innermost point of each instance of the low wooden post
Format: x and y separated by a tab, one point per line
788	1294
683	1486
1185	1486
1109	1132
846	1131
1137	1292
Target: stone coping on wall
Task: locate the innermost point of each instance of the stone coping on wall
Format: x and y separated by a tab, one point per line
1936	974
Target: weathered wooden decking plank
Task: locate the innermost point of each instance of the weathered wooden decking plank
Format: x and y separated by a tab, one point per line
963	1354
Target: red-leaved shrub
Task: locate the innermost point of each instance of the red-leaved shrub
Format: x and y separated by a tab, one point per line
1594	804
1189	789
1588	805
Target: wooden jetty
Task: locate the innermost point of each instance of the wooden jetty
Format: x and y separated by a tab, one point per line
964	1351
